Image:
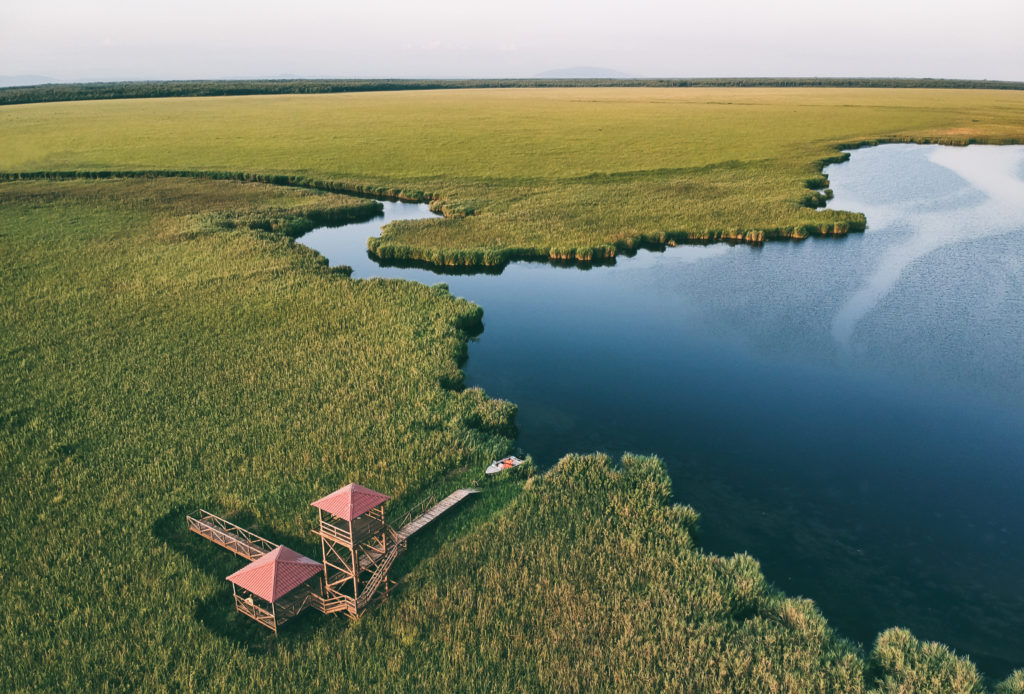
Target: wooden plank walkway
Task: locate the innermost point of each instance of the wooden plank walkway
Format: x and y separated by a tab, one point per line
226	534
419	522
251	546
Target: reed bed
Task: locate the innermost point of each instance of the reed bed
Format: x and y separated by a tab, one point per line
564	174
166	345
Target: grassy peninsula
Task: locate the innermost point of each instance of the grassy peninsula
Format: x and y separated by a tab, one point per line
165	345
572	174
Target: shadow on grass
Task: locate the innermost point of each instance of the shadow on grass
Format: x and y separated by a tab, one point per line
472	512
217	612
413	264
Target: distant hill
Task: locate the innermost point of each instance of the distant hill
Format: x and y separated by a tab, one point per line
582	73
24	80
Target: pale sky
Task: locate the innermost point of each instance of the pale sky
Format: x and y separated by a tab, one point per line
181	39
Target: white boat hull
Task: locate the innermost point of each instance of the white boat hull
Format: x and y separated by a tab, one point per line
503	464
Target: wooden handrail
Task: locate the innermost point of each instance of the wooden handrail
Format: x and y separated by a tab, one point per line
417	510
370	588
333	532
231	537
330	605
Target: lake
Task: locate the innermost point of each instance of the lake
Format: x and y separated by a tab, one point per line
850	411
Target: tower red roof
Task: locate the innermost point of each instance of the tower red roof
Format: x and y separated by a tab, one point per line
276	573
351	501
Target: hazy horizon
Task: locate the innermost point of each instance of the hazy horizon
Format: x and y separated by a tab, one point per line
107	40
42	80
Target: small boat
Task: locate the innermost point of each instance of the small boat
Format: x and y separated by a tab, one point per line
503	464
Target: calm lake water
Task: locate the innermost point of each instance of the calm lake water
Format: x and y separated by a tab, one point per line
849	411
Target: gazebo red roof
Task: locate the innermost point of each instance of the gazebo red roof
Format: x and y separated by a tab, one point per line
276	573
351	501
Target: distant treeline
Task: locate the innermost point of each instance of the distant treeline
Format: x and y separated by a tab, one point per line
141	90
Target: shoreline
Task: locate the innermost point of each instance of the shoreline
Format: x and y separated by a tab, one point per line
492	260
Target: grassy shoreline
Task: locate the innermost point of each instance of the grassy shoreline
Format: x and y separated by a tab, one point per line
393	253
569	175
388	252
482	260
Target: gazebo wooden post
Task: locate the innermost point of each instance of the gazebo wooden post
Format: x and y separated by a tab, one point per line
355	560
323	550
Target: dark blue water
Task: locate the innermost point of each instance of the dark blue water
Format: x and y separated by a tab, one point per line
849	411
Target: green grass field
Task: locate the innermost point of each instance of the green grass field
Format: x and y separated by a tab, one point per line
159	355
564	173
165	346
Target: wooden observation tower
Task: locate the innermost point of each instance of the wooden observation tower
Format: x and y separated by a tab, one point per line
358	546
358	551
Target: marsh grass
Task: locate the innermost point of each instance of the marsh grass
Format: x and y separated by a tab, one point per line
163	350
562	174
165	345
181	88
590	579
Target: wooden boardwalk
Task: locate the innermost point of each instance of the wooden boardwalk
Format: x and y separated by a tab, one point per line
419	522
228	535
251	546
377	553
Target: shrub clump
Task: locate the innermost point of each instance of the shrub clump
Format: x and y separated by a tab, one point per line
901	664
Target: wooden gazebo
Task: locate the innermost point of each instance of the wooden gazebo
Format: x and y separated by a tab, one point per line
358	547
275	587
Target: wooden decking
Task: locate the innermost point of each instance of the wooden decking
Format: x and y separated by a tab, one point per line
231	537
331	605
251	546
420	521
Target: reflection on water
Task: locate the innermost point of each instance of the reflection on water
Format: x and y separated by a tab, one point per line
993	171
850	410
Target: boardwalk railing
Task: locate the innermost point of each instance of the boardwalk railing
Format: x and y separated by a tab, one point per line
335	603
250	609
228	535
420	521
419	509
379	576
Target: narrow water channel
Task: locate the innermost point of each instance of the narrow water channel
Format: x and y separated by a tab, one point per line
849	411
